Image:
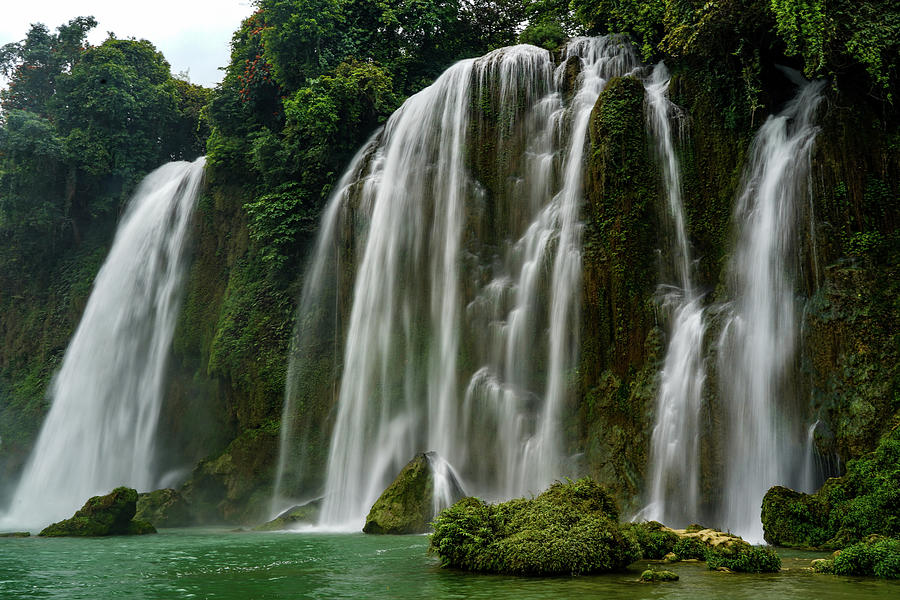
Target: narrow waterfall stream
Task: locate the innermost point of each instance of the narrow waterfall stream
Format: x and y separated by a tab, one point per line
756	348
100	432
457	342
674	467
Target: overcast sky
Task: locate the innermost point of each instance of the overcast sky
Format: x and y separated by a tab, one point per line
192	34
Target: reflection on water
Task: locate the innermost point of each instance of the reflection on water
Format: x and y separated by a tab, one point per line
222	565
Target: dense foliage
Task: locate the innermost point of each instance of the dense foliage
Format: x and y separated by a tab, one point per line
877	556
863	502
571	528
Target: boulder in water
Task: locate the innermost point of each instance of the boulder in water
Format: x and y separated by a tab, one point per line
112	514
407	505
163	508
794	519
296	515
570	529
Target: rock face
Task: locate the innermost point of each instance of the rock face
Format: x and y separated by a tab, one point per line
296	515
407	505
794	519
163	508
112	514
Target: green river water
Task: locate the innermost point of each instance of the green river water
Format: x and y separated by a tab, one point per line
194	563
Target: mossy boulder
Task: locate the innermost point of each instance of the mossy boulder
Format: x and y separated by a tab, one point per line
794	519
652	575
112	514
847	509
569	529
163	508
296	515
407	505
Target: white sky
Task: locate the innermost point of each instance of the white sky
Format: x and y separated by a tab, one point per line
194	35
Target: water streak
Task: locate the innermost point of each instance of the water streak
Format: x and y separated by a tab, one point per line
674	467
756	347
100	432
465	301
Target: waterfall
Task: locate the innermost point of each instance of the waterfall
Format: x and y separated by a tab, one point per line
756	346
100	432
462	329
673	477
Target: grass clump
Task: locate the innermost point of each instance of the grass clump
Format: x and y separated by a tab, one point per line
571	528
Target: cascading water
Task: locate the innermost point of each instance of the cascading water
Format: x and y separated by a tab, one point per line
675	456
441	306
101	429
756	347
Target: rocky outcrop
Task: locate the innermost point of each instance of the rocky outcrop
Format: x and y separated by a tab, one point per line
296	515
112	514
407	505
163	508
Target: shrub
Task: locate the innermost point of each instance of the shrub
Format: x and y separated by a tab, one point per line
745	559
569	529
653	540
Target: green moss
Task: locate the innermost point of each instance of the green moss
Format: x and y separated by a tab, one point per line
112	514
877	556
565	530
406	506
689	548
654	541
654	575
744	559
163	508
794	519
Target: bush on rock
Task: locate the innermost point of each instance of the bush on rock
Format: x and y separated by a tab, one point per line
571	528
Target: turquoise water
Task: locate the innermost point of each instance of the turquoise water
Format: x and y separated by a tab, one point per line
223	565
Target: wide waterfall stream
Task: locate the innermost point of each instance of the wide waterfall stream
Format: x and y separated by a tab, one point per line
100	432
456	343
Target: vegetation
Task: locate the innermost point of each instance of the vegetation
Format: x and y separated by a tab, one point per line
876	556
112	514
847	509
571	528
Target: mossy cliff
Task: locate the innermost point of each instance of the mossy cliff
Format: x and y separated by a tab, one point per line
620	342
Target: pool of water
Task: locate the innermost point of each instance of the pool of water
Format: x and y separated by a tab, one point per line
193	563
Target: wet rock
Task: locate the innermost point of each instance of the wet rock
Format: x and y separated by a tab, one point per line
407	505
296	515
112	514
163	508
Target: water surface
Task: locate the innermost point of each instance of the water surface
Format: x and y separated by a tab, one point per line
223	565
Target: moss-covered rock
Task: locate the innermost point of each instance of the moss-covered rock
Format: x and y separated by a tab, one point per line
296	515
112	514
724	551
794	519
863	502
569	529
407	505
163	508
652	575
235	486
